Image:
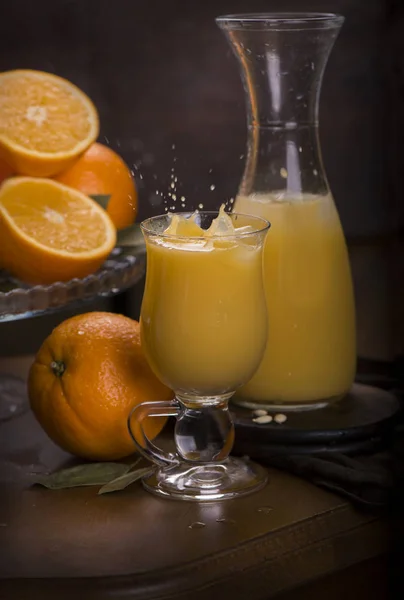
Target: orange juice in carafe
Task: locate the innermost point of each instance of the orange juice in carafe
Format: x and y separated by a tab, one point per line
310	355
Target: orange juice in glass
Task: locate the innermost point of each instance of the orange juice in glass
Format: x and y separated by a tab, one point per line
204	332
203	314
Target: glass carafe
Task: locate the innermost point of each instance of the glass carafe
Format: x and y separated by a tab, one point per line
310	357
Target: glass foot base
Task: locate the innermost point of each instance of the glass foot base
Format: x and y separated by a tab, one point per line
207	483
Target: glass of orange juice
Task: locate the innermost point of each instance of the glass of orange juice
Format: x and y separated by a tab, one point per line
204	331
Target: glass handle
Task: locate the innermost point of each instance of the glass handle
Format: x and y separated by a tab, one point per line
144	446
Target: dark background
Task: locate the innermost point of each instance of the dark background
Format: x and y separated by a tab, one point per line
161	73
170	97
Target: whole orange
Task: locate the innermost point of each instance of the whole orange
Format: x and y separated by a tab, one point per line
87	376
101	171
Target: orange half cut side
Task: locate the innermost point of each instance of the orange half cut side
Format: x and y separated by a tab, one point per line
50	232
46	122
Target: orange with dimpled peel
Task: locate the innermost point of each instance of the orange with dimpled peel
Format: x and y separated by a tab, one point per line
86	378
102	172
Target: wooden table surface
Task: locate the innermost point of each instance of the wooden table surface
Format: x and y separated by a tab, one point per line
134	545
131	545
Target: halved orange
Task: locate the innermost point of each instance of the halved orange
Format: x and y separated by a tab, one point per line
46	122
5	170
50	232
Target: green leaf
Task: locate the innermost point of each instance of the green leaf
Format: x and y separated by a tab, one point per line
122	482
83	475
101	199
137	461
131	236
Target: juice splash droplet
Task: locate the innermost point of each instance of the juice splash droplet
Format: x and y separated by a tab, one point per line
226	521
265	509
197	525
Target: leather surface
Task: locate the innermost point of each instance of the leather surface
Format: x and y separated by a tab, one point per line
134	545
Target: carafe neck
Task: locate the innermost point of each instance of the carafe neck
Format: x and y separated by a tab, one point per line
282	59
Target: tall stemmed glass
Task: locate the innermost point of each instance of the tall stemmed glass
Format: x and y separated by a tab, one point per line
204	330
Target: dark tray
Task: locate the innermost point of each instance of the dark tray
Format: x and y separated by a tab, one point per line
359	423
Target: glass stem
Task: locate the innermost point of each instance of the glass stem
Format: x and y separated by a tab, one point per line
204	433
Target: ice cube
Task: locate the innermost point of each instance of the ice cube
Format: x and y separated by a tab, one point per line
173	226
184	227
221	226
